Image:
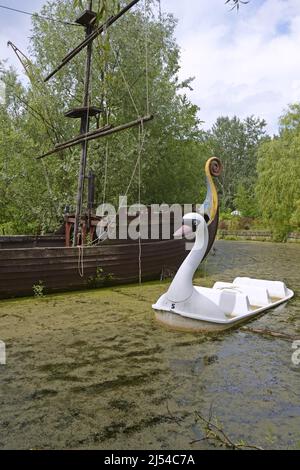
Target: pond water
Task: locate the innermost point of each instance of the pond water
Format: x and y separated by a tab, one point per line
94	370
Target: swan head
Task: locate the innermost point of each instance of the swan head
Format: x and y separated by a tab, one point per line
192	223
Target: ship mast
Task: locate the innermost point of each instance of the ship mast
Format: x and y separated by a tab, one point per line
85	123
88	20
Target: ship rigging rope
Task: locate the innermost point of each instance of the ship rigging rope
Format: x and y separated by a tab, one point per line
126	84
46	18
105	171
141	133
80	261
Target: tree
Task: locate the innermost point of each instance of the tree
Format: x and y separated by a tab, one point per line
245	201
278	186
236	143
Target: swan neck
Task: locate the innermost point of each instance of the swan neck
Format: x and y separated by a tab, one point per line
182	286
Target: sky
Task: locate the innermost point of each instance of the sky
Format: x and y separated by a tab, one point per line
244	63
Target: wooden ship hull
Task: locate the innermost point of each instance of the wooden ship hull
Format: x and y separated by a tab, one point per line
57	268
51	261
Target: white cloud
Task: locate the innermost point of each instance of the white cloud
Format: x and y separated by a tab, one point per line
245	63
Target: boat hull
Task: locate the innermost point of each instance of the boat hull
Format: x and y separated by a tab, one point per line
60	269
178	321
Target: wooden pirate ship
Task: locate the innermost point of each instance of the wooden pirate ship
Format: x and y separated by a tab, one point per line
60	263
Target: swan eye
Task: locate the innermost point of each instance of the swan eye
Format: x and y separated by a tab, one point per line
194	225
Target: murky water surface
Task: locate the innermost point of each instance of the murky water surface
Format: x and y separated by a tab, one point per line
94	370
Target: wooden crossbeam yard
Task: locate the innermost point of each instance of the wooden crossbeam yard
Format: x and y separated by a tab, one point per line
91	38
101	132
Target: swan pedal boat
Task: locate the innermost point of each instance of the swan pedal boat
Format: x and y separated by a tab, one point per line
225	304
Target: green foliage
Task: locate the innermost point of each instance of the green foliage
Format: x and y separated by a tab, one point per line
38	289
245	201
295	218
100	279
7	228
290	121
225	215
278	186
